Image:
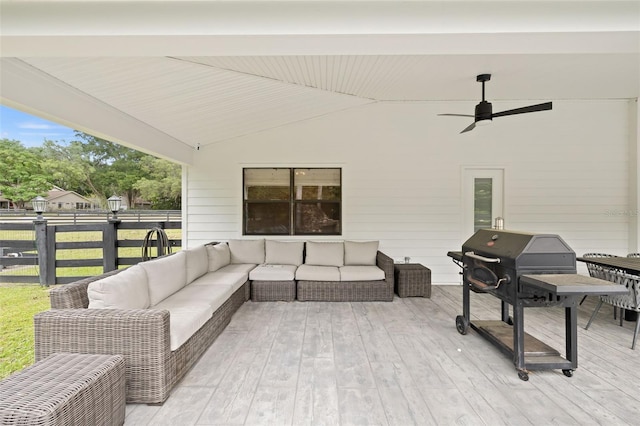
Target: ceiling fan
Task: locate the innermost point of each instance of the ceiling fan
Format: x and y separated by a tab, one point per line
484	111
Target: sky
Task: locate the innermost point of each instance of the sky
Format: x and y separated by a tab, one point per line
31	130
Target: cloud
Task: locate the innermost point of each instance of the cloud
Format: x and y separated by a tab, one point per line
31	125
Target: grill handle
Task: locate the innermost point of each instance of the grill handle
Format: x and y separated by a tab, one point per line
482	258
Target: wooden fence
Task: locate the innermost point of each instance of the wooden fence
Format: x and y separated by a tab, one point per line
43	249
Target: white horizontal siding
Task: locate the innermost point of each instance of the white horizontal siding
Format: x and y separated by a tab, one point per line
566	172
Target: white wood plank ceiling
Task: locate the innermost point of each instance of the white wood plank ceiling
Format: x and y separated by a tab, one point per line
170	75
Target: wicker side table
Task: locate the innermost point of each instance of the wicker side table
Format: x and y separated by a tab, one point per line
66	389
412	279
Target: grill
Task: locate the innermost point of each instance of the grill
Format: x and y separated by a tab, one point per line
525	270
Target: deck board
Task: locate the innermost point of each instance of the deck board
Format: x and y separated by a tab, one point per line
399	363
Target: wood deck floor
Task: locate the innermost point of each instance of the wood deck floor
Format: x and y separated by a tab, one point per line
399	363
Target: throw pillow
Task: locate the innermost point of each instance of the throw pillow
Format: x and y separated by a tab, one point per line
219	256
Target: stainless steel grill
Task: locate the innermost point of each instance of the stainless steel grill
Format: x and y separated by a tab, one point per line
524	270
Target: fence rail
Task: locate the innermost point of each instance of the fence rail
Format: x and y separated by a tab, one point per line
82	216
103	246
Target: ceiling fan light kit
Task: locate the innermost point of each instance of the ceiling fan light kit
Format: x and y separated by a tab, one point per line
484	110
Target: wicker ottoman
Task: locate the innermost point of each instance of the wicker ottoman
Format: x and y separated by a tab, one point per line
412	279
66	389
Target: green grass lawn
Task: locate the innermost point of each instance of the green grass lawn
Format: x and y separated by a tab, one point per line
18	305
20	302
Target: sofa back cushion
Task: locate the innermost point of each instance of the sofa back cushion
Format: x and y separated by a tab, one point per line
197	262
125	290
325	253
247	251
360	253
166	276
219	256
284	252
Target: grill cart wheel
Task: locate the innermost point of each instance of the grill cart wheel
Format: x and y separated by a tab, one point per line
462	325
524	375
568	373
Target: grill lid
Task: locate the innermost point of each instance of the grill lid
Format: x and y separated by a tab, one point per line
520	250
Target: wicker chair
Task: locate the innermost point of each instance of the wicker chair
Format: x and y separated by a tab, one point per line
629	301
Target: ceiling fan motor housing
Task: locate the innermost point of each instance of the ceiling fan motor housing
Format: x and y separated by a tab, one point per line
483	111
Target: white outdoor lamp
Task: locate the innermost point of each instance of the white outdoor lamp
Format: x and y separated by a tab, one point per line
114	203
39	205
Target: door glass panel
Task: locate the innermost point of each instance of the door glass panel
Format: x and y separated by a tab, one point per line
483	197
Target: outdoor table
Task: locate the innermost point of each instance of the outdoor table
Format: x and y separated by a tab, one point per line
630	265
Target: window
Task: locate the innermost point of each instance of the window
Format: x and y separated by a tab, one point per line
285	201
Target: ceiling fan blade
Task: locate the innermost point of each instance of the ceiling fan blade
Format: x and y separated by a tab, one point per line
532	108
469	127
458	115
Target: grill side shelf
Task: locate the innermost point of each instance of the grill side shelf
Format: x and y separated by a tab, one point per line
572	284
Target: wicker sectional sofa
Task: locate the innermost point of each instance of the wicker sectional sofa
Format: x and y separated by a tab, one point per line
163	314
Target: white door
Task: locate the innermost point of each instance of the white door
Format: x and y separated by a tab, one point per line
483	190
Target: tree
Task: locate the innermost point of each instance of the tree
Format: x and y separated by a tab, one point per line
21	175
93	166
163	186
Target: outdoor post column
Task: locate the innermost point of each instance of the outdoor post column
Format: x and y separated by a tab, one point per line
41	246
110	240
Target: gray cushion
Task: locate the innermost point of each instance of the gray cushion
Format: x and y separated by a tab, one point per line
284	252
317	273
166	276
361	273
247	251
219	256
325	253
360	253
125	290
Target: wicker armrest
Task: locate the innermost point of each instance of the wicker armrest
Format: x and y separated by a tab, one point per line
102	331
385	263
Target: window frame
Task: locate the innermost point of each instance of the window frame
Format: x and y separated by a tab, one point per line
292	202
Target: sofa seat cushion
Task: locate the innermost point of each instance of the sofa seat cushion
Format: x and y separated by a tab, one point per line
233	280
197	262
244	268
184	320
166	275
273	273
361	273
214	296
125	290
317	273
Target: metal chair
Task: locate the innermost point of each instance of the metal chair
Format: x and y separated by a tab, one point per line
597	271
629	301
